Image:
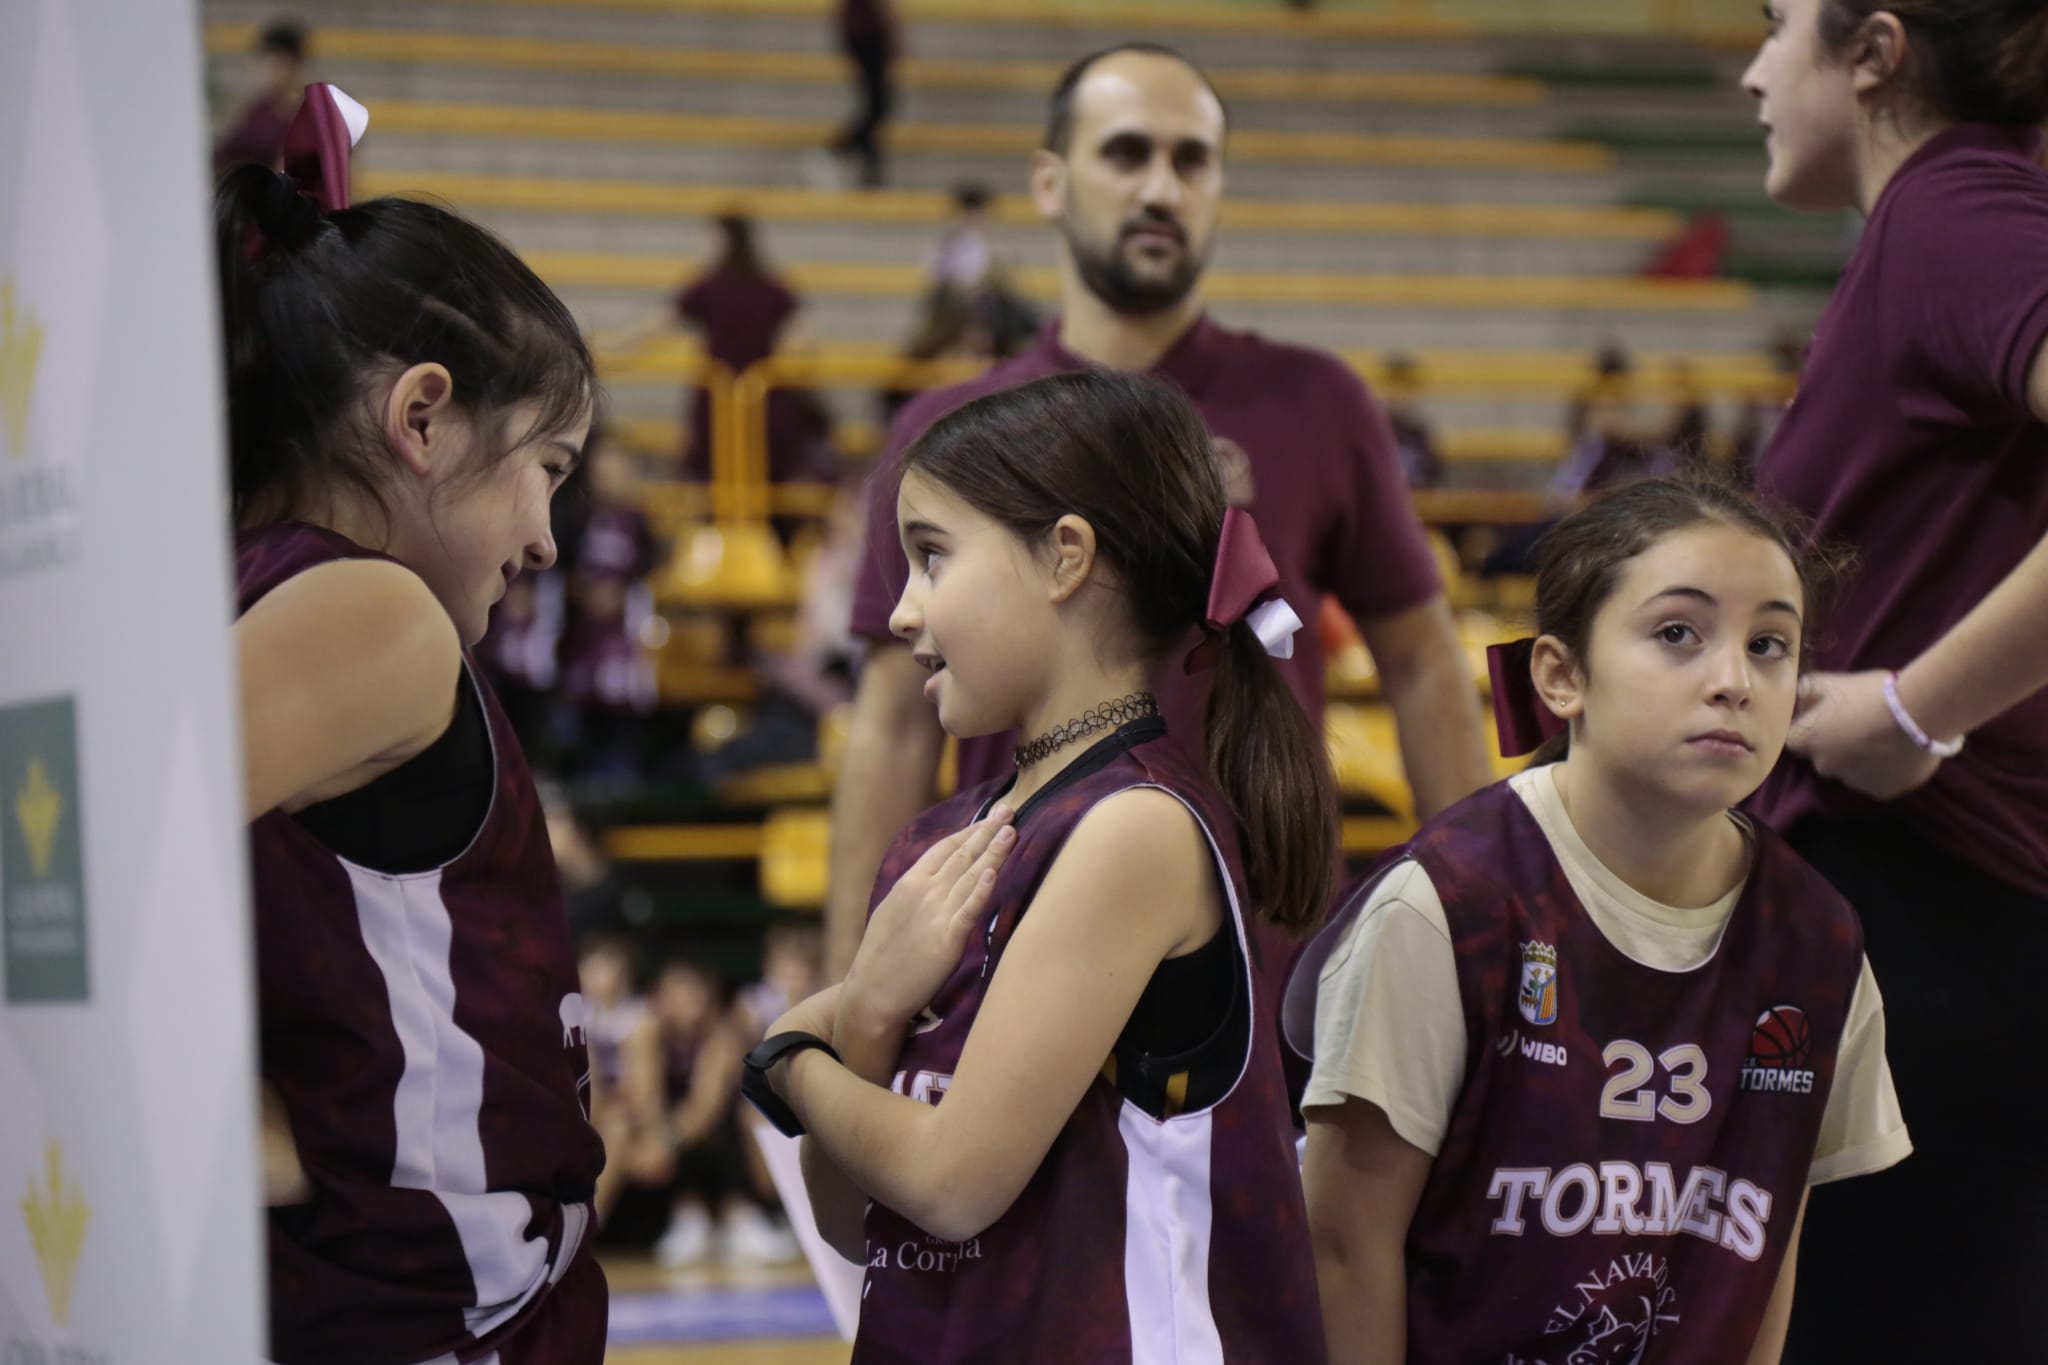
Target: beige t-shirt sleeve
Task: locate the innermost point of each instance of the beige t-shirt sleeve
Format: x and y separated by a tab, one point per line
1390	1025
1862	1131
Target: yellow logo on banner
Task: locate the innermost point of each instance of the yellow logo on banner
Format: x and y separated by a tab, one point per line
21	344
56	1219
38	806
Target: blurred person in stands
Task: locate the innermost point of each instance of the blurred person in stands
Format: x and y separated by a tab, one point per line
257	133
745	313
963	258
715	1211
1761	412
966	273
625	1072
1608	435
521	653
792	969
1414	437
607	676
872	41
1130	176
1686	442
599	900
1918	777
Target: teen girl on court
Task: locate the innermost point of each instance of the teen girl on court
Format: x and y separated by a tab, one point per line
1051	1077
1581	1048
404	397
1919	782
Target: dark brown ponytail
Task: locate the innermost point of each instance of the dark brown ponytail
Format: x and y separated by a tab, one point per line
1131	457
1274	768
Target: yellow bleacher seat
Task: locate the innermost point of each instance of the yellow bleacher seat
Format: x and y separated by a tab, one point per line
795	849
1366	753
735	564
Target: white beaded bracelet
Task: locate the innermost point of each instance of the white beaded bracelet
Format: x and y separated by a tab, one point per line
1940	748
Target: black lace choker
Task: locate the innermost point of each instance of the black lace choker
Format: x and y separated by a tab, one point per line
1107	716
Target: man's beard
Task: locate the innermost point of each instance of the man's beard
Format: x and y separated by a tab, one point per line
1110	277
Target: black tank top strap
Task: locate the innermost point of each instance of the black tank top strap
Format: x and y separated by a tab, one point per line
422	814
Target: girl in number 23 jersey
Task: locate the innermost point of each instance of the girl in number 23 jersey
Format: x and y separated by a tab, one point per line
1582	1046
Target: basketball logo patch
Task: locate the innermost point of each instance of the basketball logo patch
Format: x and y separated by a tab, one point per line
1538	996
1779	1046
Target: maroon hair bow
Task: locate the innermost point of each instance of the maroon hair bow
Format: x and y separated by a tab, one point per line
318	143
1244	585
1519	715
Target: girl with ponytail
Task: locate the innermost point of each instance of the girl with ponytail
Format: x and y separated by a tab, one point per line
1918	776
1063	958
404	399
1583	1044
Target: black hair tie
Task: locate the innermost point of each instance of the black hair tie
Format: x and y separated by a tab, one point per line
285	217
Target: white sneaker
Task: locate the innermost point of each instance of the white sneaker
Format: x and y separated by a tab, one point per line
752	1238
687	1241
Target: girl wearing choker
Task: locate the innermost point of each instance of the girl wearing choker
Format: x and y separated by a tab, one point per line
1919	778
1051	1120
1582	1045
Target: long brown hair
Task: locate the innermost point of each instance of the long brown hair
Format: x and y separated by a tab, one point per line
1130	457
1974	61
1579	561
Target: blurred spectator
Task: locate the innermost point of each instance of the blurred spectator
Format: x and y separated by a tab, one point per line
792	968
869	36
745	314
257	132
598	900
603	532
1414	440
1610	443
963	258
625	1073
608	678
1762	412
949	330
802	684
1688	434
817	672
520	654
714	1207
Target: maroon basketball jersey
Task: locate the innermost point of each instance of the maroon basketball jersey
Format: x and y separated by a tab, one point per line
1166	1223
425	1032
1627	1156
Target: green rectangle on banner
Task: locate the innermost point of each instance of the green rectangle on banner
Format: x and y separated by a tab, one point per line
42	854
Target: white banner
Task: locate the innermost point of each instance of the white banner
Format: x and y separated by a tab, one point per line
130	1232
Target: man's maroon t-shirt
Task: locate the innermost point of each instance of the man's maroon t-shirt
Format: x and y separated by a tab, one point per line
1328	492
1912	443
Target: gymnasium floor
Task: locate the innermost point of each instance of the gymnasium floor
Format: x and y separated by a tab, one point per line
718	1317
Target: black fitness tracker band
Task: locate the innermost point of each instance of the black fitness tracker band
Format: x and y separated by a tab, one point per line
754	1078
